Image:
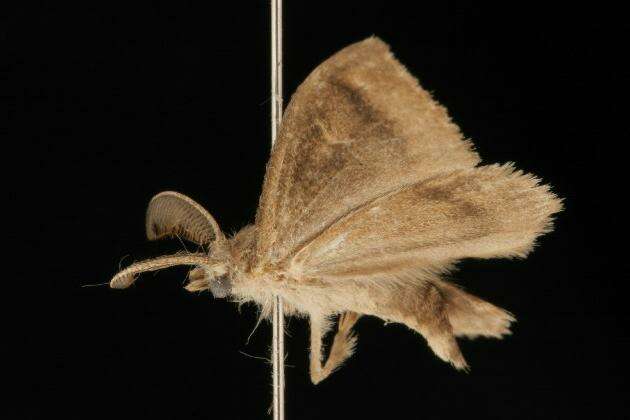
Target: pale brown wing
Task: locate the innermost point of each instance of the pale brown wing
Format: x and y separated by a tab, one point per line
173	214
485	212
358	127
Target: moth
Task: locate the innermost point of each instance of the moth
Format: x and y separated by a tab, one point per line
370	197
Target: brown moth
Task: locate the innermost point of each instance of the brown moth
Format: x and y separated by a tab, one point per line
371	196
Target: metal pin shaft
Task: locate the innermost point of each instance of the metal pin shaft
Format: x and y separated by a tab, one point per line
277	347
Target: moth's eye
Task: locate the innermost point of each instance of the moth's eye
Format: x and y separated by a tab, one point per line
220	286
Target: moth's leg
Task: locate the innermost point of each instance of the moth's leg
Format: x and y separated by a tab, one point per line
201	279
342	347
343	344
319	327
431	320
198	280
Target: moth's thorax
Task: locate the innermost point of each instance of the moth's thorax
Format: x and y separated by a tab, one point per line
254	283
306	296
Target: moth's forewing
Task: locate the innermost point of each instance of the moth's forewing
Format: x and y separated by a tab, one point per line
358	127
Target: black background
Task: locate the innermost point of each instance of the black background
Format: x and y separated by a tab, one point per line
110	104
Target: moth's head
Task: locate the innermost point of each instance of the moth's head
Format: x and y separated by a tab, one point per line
171	214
